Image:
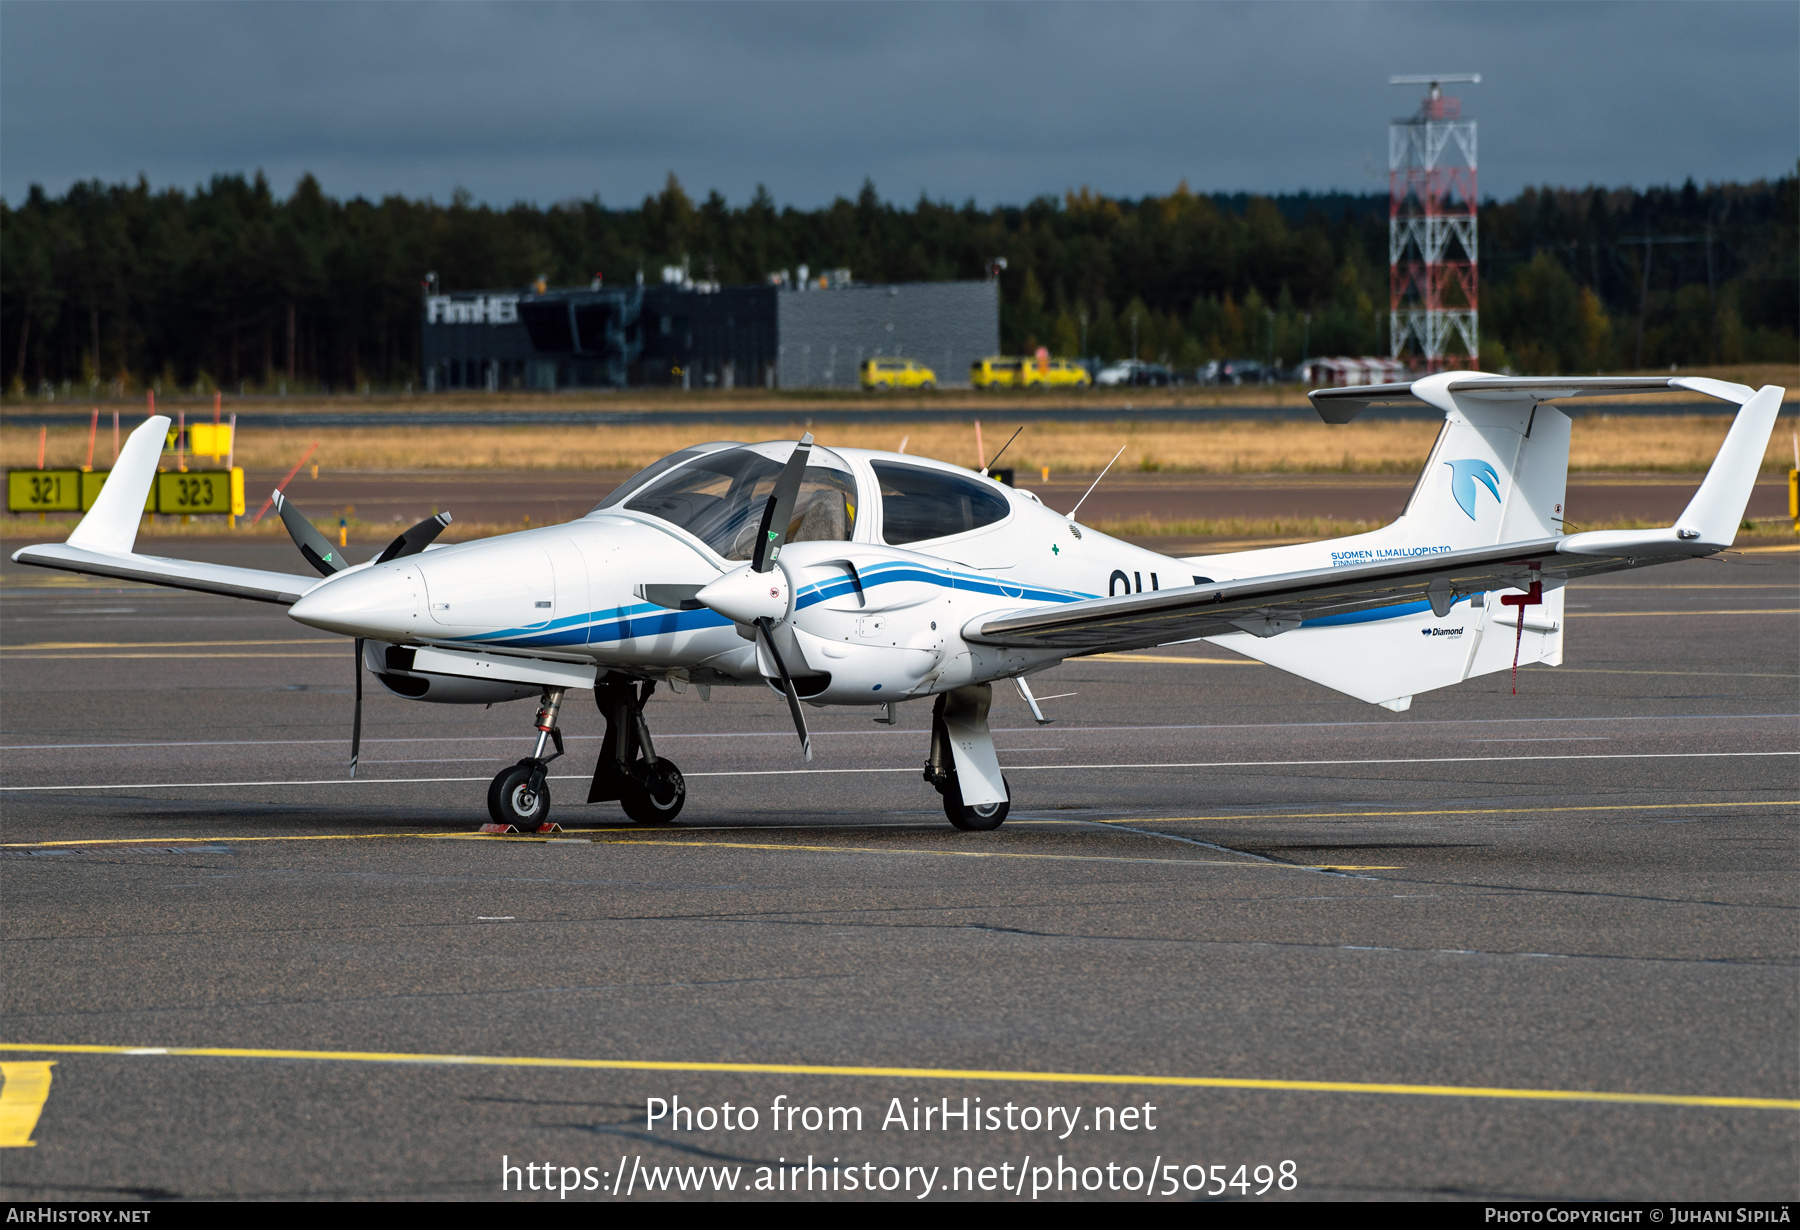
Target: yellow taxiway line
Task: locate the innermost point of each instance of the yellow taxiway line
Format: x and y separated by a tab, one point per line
71	843
783	847
899	1073
1464	811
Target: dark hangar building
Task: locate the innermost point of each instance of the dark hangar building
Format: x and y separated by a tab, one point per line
702	335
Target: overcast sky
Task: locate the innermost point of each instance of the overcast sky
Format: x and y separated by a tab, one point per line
999	102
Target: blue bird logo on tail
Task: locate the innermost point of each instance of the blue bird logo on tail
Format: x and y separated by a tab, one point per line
1464	475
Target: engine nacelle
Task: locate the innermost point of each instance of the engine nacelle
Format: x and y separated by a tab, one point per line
885	624
392	667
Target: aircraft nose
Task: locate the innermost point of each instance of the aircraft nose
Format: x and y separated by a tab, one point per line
380	602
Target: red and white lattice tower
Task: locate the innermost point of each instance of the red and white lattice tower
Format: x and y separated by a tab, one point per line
1432	249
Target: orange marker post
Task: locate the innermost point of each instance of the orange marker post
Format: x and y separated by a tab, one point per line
269	503
93	430
115	436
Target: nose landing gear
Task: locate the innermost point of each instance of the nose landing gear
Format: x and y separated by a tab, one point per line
648	787
518	796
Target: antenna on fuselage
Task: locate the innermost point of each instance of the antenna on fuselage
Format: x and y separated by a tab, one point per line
1070	515
987	469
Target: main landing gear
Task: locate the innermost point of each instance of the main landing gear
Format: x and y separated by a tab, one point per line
649	788
962	765
518	795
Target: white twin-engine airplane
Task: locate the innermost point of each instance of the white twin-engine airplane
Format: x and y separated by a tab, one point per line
854	577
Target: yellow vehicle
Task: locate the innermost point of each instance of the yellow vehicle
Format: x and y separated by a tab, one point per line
897	374
1053	374
995	372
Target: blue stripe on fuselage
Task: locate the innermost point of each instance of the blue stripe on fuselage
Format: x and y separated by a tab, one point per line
646	619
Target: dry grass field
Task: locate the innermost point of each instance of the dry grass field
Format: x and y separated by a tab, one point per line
1017	403
1624	443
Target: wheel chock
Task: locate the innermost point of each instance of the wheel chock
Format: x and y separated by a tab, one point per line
497	828
548	827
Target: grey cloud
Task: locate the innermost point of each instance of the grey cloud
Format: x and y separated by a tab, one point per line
996	102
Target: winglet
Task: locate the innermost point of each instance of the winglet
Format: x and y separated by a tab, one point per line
111	525
1717	509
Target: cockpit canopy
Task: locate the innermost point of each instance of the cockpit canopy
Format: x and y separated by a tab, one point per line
717	493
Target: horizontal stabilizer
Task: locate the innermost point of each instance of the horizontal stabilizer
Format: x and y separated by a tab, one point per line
1342	405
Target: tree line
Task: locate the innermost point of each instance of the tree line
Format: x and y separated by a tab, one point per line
232	286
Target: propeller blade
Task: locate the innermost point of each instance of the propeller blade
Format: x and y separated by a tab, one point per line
356	725
766	626
313	545
780	508
416	539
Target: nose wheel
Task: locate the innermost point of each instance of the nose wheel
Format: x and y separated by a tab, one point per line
519	796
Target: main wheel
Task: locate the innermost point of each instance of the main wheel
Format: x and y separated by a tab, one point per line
654	794
974	819
511	800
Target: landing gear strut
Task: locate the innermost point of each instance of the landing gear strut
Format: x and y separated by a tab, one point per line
649	788
518	795
962	762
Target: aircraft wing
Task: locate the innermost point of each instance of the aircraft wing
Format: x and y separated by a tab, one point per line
1267	606
252	583
102	544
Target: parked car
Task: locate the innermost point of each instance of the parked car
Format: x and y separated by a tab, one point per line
1053	374
897	374
994	372
1243	371
1135	373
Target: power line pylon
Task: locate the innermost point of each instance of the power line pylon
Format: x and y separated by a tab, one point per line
1432	241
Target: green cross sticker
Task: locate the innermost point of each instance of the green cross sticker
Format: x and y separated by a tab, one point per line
1055	550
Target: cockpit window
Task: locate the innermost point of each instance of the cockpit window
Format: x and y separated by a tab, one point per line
917	503
719	499
638	481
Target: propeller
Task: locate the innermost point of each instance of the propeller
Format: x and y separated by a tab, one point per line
324	557
777	515
416	539
313	545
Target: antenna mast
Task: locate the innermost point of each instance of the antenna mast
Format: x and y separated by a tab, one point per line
1433	309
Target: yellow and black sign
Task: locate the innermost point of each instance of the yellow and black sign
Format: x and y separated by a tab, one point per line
200	491
43	491
193	492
